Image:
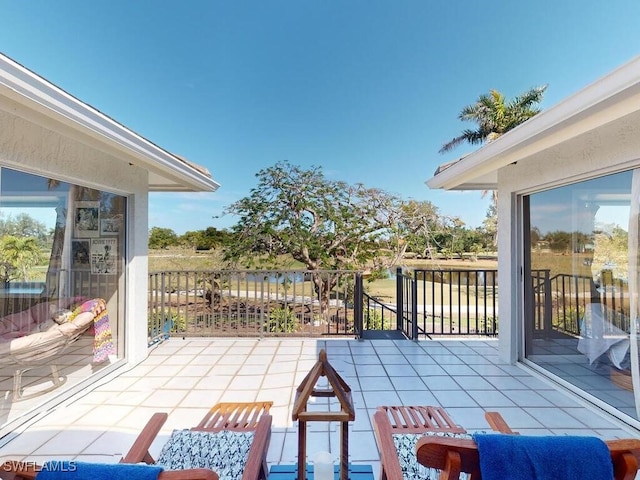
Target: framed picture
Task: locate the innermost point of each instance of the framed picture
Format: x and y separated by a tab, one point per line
104	255
87	220
80	250
109	226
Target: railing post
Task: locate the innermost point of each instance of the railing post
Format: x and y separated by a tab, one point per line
399	299
548	306
414	306
357	305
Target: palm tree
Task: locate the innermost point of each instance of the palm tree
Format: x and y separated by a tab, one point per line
494	116
18	256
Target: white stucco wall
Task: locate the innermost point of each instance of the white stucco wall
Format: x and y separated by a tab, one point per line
612	148
59	152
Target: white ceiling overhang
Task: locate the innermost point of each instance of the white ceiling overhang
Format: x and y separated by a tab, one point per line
66	114
603	102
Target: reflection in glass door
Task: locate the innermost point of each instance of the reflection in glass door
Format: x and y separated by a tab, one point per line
582	298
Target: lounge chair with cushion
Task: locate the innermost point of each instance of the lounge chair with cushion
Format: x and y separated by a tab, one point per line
232	439
545	457
399	428
229	443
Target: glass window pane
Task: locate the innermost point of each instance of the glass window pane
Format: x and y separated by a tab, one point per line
578	326
61	285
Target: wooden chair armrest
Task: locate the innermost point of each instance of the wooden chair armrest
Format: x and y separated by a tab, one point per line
625	455
13	470
451	455
256	467
139	451
497	423
388	455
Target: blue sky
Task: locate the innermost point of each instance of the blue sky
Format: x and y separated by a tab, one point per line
368	90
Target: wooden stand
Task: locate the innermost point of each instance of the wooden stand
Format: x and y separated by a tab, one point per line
337	388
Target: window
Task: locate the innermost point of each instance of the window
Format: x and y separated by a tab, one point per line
61	285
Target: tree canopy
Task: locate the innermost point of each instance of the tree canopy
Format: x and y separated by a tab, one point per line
23	225
300	214
162	238
322	223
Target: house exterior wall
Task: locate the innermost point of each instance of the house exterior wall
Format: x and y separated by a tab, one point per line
33	144
612	148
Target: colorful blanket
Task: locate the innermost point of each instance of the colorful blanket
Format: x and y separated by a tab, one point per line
72	470
102	338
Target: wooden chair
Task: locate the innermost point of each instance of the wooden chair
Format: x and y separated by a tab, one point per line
235	417
390	420
455	455
230	416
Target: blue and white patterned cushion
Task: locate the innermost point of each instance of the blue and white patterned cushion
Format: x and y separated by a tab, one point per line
223	452
406	447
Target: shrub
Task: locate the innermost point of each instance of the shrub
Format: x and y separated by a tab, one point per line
282	320
373	320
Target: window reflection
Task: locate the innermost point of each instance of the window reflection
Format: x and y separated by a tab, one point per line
61	284
578	326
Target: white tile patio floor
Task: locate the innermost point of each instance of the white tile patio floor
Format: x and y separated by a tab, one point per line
185	377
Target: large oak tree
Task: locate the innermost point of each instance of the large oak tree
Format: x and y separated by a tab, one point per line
323	223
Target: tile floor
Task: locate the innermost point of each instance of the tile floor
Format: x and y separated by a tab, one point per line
185	377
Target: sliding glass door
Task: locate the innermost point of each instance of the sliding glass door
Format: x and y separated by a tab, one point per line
582	308
62	264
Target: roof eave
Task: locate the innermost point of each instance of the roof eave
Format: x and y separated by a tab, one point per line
609	98
34	92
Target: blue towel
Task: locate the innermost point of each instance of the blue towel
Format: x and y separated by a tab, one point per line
521	457
71	470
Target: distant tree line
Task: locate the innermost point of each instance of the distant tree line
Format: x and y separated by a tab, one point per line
207	239
453	239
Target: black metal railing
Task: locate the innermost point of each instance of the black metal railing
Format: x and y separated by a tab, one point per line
253	303
429	302
406	297
377	315
559	302
448	302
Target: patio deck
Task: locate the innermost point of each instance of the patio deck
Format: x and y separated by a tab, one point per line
185	377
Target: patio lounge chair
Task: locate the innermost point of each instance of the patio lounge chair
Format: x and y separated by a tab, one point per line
247	423
32	338
398	428
236	421
455	455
